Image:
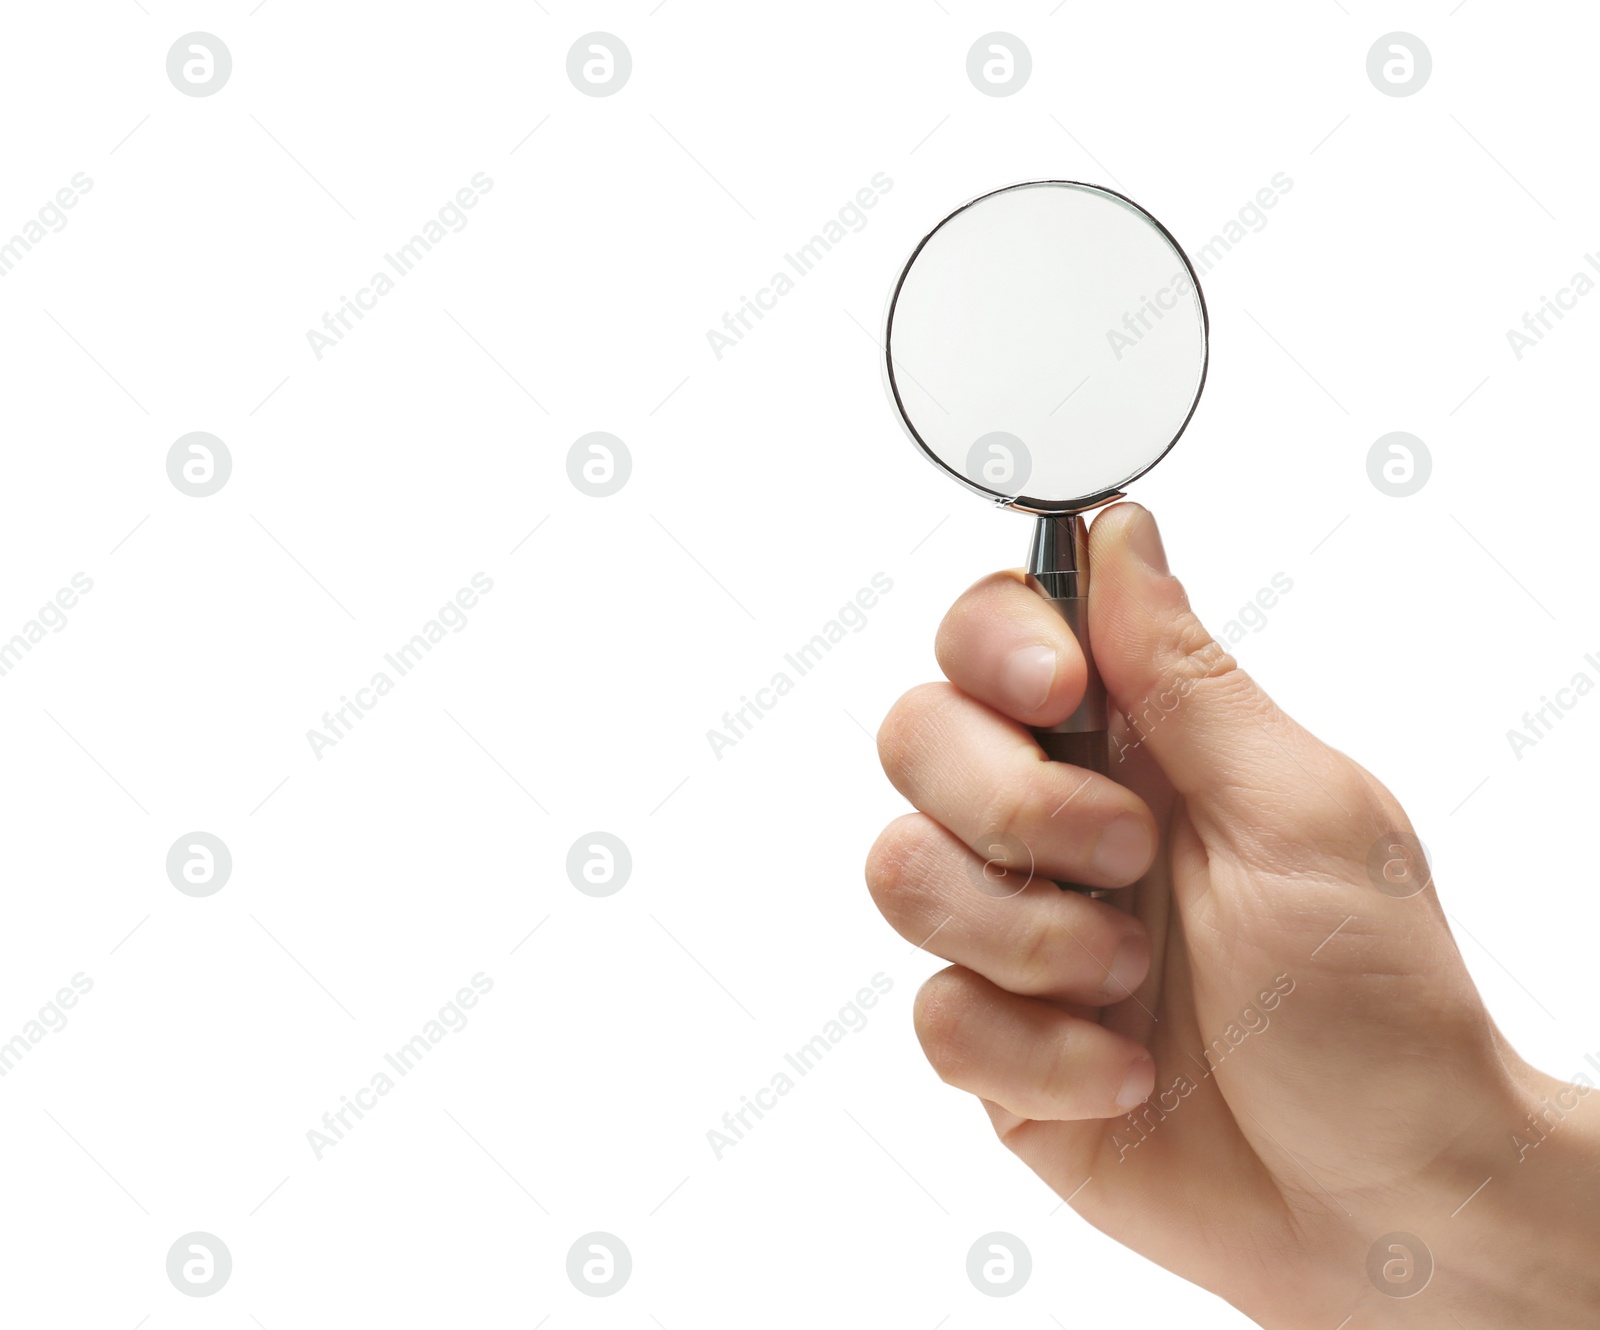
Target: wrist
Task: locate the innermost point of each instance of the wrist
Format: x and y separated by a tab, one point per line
1515	1214
1499	1225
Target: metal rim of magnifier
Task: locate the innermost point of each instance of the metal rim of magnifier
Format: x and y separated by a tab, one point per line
1023	502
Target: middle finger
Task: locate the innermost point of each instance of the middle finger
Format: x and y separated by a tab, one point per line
983	777
1022	935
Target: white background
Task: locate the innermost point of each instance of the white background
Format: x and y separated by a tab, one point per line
767	488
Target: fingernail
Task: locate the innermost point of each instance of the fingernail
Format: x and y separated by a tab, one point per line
1124	849
1128	968
1144	538
1140	1081
1027	675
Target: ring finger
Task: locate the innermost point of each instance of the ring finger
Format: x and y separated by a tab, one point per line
1015	929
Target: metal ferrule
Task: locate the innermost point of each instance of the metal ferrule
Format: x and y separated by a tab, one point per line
1058	569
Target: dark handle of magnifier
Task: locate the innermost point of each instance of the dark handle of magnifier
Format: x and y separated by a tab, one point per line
1058	569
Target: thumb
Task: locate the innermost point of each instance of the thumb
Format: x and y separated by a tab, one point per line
1221	741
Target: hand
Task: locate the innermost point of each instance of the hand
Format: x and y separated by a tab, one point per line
1272	1055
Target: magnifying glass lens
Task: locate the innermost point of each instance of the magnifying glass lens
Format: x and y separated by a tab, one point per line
1047	344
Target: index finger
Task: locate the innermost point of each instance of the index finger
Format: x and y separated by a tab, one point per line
1002	644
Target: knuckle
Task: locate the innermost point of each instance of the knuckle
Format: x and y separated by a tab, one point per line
890	874
1341	799
1039	958
1060	1075
1361	793
1001	816
1198	658
1375	796
974	608
904	730
939	1015
1338	812
1059	1082
1360	800
1199	664
948	637
1017	808
1035	815
1053	957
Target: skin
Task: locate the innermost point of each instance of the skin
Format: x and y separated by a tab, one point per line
1272	984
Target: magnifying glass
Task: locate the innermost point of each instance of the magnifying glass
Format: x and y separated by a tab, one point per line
1045	345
